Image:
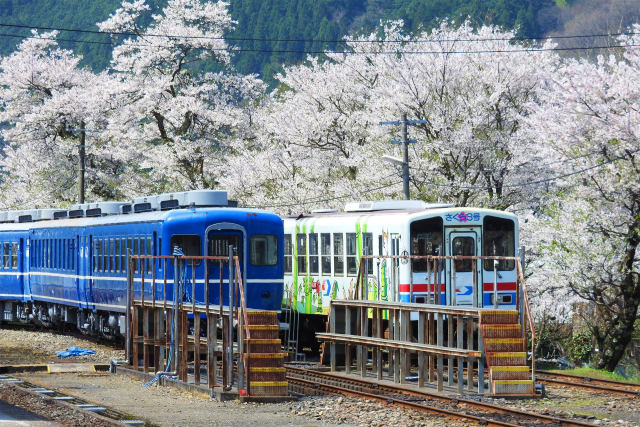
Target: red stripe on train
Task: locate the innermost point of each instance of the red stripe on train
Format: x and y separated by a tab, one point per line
424	287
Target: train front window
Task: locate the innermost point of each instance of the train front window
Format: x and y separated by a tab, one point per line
463	246
190	245
498	240
264	249
426	239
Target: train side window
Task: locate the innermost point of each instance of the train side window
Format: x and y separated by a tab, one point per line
288	254
313	253
14	255
498	239
190	244
301	247
325	250
123	255
116	259
5	255
264	249
367	249
338	252
112	255
96	245
352	265
135	251
150	253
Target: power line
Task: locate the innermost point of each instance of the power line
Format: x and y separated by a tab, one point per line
526	184
343	41
330	52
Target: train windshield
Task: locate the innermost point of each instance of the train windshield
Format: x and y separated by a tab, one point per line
264	249
498	240
426	239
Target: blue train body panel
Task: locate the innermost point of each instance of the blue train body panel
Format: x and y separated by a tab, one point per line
81	262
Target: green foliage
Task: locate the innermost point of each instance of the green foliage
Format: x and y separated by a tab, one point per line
580	348
271	33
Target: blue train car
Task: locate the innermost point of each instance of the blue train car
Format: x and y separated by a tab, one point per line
74	268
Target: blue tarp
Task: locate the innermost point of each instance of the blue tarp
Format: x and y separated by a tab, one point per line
75	351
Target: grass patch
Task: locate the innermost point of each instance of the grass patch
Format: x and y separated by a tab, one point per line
595	373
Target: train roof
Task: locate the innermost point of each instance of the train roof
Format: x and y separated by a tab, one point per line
154	208
408	208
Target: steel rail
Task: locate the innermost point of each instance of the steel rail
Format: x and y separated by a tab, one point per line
434	396
397	402
589	383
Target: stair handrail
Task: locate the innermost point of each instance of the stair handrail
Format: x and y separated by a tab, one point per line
245	322
527	310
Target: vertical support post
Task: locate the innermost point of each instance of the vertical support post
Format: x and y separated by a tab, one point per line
159	351
439	340
480	364
212	340
397	359
474	285
460	344
184	331
431	330
229	348
379	334
405	330
450	345
470	360
495	283
332	329
129	307
439	281
146	356
176	309
81	158
347	347
421	333
405	159
196	348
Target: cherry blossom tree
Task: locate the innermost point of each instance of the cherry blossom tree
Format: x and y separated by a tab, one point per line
472	87
589	116
46	98
176	124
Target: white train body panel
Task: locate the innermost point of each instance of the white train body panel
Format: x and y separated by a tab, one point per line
323	250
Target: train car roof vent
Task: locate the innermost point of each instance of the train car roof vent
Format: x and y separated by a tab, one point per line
105	208
169	204
93	212
14	216
202	198
27	217
142	207
146	204
60	215
46	214
125	209
383	205
76	213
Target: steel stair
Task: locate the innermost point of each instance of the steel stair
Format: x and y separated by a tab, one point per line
266	374
505	352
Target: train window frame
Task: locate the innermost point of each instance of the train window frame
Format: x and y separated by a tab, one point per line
186	249
288	254
14	255
351	249
95	255
123	255
325	254
312	243
271	250
338	254
135	251
429	230
149	246
117	260
301	259
507	265
367	249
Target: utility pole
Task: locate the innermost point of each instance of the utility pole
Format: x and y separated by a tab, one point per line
81	155
405	141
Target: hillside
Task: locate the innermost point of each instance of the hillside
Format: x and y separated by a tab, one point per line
269	34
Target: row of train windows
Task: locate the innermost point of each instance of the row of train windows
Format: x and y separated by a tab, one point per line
110	254
53	253
9	255
327	254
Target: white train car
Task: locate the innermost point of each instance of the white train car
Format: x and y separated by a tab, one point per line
323	249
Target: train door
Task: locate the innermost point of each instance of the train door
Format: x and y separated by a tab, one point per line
24	266
219	238
84	267
460	273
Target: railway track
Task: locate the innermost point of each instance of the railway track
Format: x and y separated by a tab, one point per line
589	383
312	381
77	402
